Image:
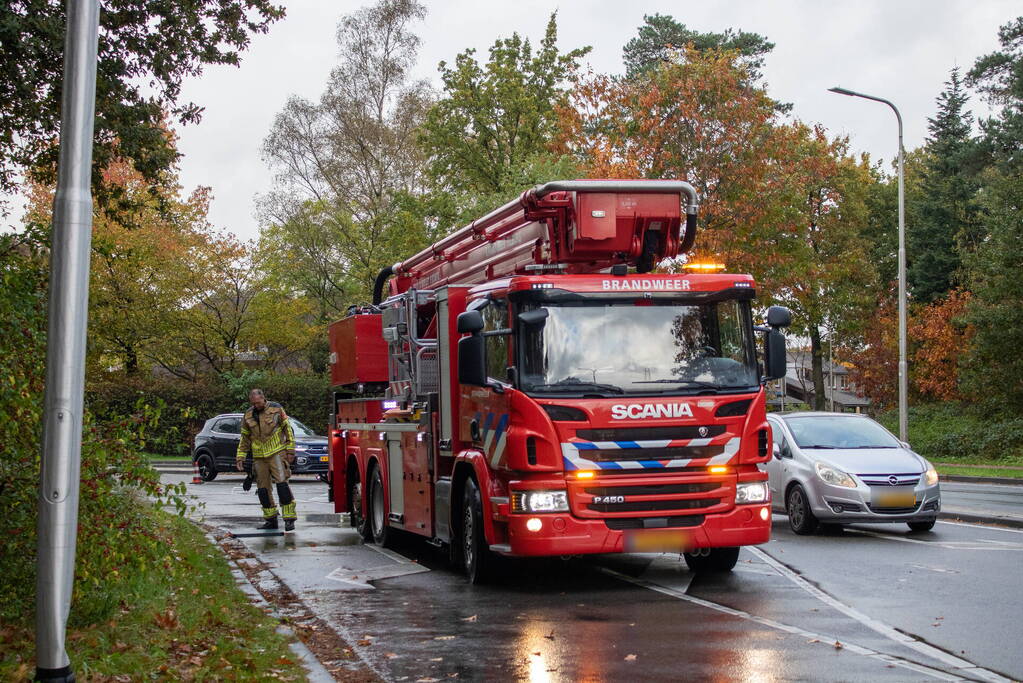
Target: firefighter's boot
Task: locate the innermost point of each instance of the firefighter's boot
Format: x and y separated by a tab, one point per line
269	509
287	506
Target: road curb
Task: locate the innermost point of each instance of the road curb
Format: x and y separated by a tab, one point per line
1013	522
966	479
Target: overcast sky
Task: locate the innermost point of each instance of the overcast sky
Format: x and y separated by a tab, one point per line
898	49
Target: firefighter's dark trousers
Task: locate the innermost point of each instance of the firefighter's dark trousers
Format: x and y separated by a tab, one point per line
269	472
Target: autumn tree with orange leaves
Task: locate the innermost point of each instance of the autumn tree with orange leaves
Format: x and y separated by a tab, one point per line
941	338
780	200
168	290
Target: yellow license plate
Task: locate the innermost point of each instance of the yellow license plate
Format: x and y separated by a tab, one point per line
324	458
895	499
657	541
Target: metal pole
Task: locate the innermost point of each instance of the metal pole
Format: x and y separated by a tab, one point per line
903	365
65	350
831	367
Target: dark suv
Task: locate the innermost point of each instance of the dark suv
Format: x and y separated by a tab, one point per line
217	444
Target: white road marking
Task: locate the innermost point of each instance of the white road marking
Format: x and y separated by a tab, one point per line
823	639
979	544
982	526
359	578
878	626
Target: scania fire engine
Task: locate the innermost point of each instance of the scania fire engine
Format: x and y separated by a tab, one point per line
528	387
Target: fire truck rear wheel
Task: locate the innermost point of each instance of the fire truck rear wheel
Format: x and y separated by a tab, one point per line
357	520
376	509
712	560
476	557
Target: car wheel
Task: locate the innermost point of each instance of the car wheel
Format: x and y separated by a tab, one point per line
797	507
207	468
377	510
712	560
355	517
921	526
476	557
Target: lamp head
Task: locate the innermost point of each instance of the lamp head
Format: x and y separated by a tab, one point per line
842	91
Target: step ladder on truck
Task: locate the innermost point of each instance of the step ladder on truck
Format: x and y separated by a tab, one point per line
528	387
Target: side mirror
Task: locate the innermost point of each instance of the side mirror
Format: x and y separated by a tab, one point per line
776	450
774	354
472	366
535	317
470	322
905	444
779	316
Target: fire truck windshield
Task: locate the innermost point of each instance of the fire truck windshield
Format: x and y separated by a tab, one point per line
601	347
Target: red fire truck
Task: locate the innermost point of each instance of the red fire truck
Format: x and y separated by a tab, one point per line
528	387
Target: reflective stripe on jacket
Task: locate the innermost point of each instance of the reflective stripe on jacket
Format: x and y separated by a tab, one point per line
266	433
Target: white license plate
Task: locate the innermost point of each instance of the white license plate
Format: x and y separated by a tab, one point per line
898	497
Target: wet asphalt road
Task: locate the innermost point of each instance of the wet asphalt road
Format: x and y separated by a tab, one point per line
998	499
869	603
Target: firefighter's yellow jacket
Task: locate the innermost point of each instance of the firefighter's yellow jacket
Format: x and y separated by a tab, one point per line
266	433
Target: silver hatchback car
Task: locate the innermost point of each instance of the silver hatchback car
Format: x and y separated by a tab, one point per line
842	468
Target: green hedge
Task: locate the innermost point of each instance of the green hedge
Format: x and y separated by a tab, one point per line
944	432
187	405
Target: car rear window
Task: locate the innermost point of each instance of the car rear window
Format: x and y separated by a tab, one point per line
231	425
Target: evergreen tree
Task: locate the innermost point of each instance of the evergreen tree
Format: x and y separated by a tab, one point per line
994	368
663	39
946	212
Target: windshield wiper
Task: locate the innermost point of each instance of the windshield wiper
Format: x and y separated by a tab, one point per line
685	382
817	445
572	385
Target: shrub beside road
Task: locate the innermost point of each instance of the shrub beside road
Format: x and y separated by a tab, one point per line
173	611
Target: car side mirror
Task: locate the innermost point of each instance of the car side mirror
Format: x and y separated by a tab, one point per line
775	362
470	322
779	316
472	365
776	450
535	317
905	444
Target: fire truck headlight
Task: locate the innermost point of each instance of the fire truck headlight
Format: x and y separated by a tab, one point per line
539	501
751	492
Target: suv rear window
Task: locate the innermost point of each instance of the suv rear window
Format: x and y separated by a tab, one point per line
231	425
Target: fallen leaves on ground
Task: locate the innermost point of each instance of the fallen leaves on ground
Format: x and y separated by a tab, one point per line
471	619
630	658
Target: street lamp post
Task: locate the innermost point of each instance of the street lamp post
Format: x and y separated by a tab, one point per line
903	367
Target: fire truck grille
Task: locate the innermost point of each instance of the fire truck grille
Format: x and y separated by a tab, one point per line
673	453
649	433
655	505
653	490
654	522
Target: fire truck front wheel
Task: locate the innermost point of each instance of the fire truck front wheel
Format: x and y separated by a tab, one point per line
377	510
476	557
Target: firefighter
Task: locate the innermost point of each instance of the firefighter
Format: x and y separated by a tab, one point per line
267	434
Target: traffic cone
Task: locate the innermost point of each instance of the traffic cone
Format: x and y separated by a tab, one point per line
196	479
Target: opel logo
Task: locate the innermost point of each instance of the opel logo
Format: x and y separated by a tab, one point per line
703	431
893	480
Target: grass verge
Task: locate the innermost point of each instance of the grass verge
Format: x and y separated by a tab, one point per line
980	471
179	617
